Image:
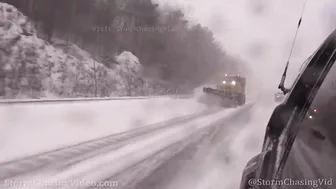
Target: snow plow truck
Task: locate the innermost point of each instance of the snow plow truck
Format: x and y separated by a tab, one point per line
230	90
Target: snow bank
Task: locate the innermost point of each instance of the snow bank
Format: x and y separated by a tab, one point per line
28	129
31	67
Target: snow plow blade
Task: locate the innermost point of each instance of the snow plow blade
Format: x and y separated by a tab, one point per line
226	99
213	91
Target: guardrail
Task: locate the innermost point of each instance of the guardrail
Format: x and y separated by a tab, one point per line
71	100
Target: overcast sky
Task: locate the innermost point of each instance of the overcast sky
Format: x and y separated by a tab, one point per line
261	31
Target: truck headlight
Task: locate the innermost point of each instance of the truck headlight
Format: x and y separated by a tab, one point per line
233	82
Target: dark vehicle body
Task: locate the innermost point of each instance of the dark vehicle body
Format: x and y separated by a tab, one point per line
230	89
299	152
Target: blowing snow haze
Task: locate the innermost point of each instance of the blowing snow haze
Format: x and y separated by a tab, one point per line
261	32
113	93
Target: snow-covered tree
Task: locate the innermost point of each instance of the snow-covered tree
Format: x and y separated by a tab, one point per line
129	70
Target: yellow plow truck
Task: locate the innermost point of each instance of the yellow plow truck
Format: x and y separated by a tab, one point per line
230	89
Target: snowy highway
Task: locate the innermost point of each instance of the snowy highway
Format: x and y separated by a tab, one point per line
131	94
67	155
146	154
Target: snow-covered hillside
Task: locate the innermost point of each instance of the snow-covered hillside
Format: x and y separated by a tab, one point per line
31	67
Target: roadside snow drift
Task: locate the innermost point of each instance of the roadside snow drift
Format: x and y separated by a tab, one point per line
28	129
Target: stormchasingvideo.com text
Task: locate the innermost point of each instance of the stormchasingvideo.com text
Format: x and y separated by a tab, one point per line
77	183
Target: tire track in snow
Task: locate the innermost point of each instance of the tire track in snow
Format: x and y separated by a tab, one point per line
151	167
120	161
185	173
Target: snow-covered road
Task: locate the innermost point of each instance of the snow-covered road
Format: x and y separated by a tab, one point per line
123	152
111	158
218	160
27	129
